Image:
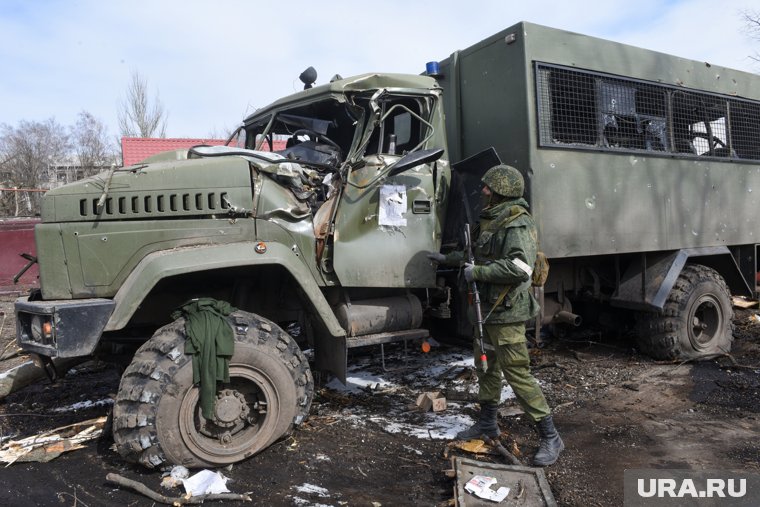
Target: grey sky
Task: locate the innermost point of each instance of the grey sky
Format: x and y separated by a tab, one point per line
214	62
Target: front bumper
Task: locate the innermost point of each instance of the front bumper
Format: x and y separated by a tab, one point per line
61	328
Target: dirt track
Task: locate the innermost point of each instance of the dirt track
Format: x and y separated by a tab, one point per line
615	410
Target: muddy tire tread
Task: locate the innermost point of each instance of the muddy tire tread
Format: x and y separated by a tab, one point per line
658	334
150	373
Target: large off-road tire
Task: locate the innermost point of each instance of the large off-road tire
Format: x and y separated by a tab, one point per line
157	418
696	320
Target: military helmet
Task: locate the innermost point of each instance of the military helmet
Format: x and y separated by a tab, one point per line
505	180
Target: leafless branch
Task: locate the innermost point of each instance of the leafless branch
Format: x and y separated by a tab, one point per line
182	500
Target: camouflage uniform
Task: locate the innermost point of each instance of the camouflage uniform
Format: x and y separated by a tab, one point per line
505	252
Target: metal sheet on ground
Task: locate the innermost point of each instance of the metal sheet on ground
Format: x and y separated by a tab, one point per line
528	486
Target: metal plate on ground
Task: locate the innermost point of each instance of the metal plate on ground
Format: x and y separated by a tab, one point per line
528	486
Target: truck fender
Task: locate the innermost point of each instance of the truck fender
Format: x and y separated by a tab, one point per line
167	263
658	271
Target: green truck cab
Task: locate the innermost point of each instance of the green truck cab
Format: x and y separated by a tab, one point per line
639	167
326	238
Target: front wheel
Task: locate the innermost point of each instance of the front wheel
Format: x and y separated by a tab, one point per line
157	414
696	320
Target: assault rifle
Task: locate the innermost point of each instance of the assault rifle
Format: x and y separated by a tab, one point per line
475	298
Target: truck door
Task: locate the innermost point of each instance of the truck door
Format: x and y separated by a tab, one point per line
386	223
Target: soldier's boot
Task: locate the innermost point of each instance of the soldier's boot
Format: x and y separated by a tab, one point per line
550	445
486	424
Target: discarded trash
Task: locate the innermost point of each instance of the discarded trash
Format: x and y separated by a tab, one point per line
182	500
206	482
431	401
529	486
743	302
480	486
474	446
51	444
173	478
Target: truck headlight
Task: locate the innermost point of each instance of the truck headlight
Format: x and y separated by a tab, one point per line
42	329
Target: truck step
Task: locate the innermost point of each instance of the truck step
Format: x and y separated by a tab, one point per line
390	337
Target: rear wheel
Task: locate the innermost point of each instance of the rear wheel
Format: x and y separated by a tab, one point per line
696	319
157	415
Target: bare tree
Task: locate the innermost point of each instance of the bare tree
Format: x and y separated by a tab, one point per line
91	144
137	116
30	152
752	27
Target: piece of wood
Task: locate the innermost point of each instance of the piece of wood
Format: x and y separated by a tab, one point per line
743	303
51	444
181	500
494	442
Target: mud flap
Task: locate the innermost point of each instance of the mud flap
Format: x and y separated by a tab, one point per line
331	354
645	285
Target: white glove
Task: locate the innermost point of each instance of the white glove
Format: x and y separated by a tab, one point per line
468	272
436	257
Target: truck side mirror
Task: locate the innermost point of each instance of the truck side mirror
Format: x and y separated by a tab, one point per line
414	159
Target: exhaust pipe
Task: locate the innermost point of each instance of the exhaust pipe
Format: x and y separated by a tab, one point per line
554	312
565	317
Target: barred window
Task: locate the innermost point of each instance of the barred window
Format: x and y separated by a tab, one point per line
588	110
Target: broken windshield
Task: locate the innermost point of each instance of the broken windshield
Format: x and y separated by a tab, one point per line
334	130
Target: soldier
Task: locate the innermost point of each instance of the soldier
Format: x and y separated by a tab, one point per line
505	252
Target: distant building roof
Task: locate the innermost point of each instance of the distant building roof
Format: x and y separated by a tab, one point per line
137	149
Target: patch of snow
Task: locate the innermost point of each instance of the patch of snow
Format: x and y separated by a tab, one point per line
406	378
307	503
412	449
311	489
437	426
81	405
356	382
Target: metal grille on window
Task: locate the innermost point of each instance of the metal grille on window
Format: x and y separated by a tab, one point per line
587	110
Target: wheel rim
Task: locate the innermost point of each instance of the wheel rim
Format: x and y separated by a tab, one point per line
705	321
245	413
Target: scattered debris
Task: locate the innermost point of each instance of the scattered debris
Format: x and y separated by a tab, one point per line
474	446
7	354
494	442
51	444
173	478
82	405
527	485
743	302
434	401
206	482
486	446
480	486
182	500
311	489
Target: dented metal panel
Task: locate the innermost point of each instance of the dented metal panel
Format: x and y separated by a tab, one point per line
379	240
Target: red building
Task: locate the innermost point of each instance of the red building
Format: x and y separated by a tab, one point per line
137	149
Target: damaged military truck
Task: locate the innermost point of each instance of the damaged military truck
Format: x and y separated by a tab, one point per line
639	169
319	245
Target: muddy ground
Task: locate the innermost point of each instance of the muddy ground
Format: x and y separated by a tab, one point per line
615	410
